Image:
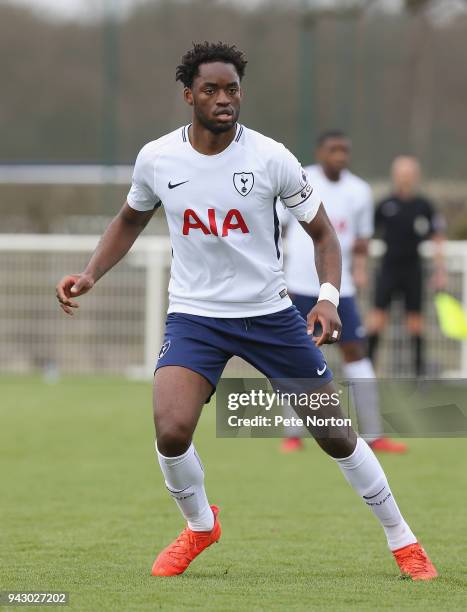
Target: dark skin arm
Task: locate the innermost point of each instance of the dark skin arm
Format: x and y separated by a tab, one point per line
115	243
328	261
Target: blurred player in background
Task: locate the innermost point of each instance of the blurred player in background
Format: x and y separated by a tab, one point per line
219	182
404	219
349	205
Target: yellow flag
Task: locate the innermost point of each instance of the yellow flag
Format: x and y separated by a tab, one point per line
451	316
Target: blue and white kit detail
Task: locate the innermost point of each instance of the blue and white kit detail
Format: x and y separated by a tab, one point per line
275	344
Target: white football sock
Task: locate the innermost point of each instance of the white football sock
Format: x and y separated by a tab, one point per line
184	479
365	398
364	473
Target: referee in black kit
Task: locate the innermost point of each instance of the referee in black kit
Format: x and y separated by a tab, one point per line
404	220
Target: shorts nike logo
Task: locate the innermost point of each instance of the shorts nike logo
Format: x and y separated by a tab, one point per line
321	372
176	184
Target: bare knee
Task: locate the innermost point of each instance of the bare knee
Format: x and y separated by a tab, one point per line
339	447
179	395
336	435
173	439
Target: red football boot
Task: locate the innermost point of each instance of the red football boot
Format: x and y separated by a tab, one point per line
291	445
414	563
174	559
386	445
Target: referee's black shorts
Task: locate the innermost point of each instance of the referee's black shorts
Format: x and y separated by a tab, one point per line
399	278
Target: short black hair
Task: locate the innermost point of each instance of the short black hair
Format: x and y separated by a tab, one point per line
327	134
205	52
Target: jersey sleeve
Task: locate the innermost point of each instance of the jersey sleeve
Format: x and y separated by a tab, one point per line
142	195
366	213
294	189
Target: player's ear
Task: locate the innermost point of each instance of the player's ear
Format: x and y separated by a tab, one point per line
188	96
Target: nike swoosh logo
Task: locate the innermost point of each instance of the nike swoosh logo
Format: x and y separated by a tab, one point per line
176	184
321	372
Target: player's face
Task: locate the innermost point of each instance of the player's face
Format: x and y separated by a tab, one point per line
215	96
334	155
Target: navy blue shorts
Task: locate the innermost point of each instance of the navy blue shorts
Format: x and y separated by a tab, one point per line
352	327
275	344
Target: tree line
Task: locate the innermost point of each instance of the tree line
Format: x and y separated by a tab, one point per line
97	91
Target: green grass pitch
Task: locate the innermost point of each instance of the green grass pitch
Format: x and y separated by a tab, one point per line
84	510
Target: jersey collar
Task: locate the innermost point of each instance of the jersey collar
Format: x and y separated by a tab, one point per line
237	137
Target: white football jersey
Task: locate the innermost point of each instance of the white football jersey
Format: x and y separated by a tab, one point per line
225	233
349	206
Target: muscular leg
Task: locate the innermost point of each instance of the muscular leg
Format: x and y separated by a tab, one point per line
363	472
358	368
179	395
178	398
336	441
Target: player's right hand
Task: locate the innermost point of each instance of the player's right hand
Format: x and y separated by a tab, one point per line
70	286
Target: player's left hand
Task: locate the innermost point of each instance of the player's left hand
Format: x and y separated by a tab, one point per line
324	313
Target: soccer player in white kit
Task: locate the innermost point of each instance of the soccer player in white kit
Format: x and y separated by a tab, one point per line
218	182
349	205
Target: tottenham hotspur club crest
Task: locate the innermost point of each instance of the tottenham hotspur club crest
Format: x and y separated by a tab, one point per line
164	348
243	182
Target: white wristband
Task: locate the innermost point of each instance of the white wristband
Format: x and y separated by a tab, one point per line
329	292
